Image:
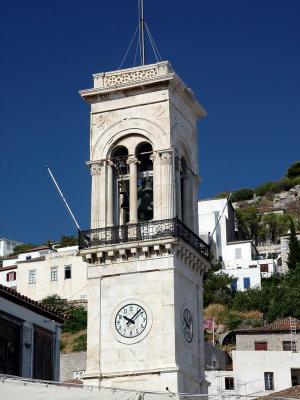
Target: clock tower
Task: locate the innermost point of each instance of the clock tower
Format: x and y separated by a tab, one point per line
145	259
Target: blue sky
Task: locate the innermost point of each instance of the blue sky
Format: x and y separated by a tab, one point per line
240	57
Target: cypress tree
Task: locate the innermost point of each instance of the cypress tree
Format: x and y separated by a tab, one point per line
294	249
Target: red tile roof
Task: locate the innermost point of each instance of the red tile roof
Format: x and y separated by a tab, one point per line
36	306
290	393
281	325
8	267
38	248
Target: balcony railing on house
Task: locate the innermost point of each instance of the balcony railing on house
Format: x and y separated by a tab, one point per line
143	231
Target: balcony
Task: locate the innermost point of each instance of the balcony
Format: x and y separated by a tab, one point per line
142	232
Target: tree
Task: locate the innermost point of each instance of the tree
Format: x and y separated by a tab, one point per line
275	225
217	288
294	170
293	261
22	248
241	195
250	219
66	241
76	316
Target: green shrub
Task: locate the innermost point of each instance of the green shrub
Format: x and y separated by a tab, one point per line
294	170
242	194
77	320
80	343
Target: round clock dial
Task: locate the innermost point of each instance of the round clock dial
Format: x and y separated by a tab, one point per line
187	325
131	320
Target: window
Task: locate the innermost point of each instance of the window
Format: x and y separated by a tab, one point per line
234	284
28	257
32	276
269	380
54	274
246	283
288	346
121	205
145	182
264	268
68	271
229	383
238	253
252	266
295	376
261	346
11	276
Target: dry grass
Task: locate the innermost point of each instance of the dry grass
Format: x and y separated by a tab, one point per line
67	340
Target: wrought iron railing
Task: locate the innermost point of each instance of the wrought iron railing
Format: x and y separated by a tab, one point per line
142	231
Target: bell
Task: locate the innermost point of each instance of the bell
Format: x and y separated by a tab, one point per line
121	163
148	187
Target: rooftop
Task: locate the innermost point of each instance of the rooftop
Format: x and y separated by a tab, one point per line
36	306
281	325
290	393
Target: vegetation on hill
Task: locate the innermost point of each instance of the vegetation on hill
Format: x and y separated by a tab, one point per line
278	297
262	227
268	189
64	241
74	329
22	248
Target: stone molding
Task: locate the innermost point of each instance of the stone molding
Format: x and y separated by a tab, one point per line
132	75
132	160
120	253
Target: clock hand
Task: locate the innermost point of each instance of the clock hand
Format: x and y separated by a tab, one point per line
186	321
134	317
128	319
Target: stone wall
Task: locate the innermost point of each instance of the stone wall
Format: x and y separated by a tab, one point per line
70	363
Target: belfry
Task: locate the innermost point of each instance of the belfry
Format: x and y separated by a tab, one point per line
146	261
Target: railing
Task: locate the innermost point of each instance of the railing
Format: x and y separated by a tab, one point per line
142	231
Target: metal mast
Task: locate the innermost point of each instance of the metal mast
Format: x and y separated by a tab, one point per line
63	198
142	31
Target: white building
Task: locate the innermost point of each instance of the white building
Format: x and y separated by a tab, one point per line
29	337
239	257
266	360
7	246
44	271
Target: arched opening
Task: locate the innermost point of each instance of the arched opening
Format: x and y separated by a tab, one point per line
120	199
145	182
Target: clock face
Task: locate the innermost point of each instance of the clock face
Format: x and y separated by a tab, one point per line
187	325
131	320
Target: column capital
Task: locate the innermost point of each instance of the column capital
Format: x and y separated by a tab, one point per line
154	156
95	167
166	157
132	160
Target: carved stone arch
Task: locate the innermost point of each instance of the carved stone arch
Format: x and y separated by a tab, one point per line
139	126
185	153
184	147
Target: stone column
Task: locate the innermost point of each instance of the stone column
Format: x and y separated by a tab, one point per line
109	194
196	183
178	188
96	187
132	162
156	186
167	185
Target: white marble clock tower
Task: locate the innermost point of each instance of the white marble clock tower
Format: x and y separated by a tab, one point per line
146	261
